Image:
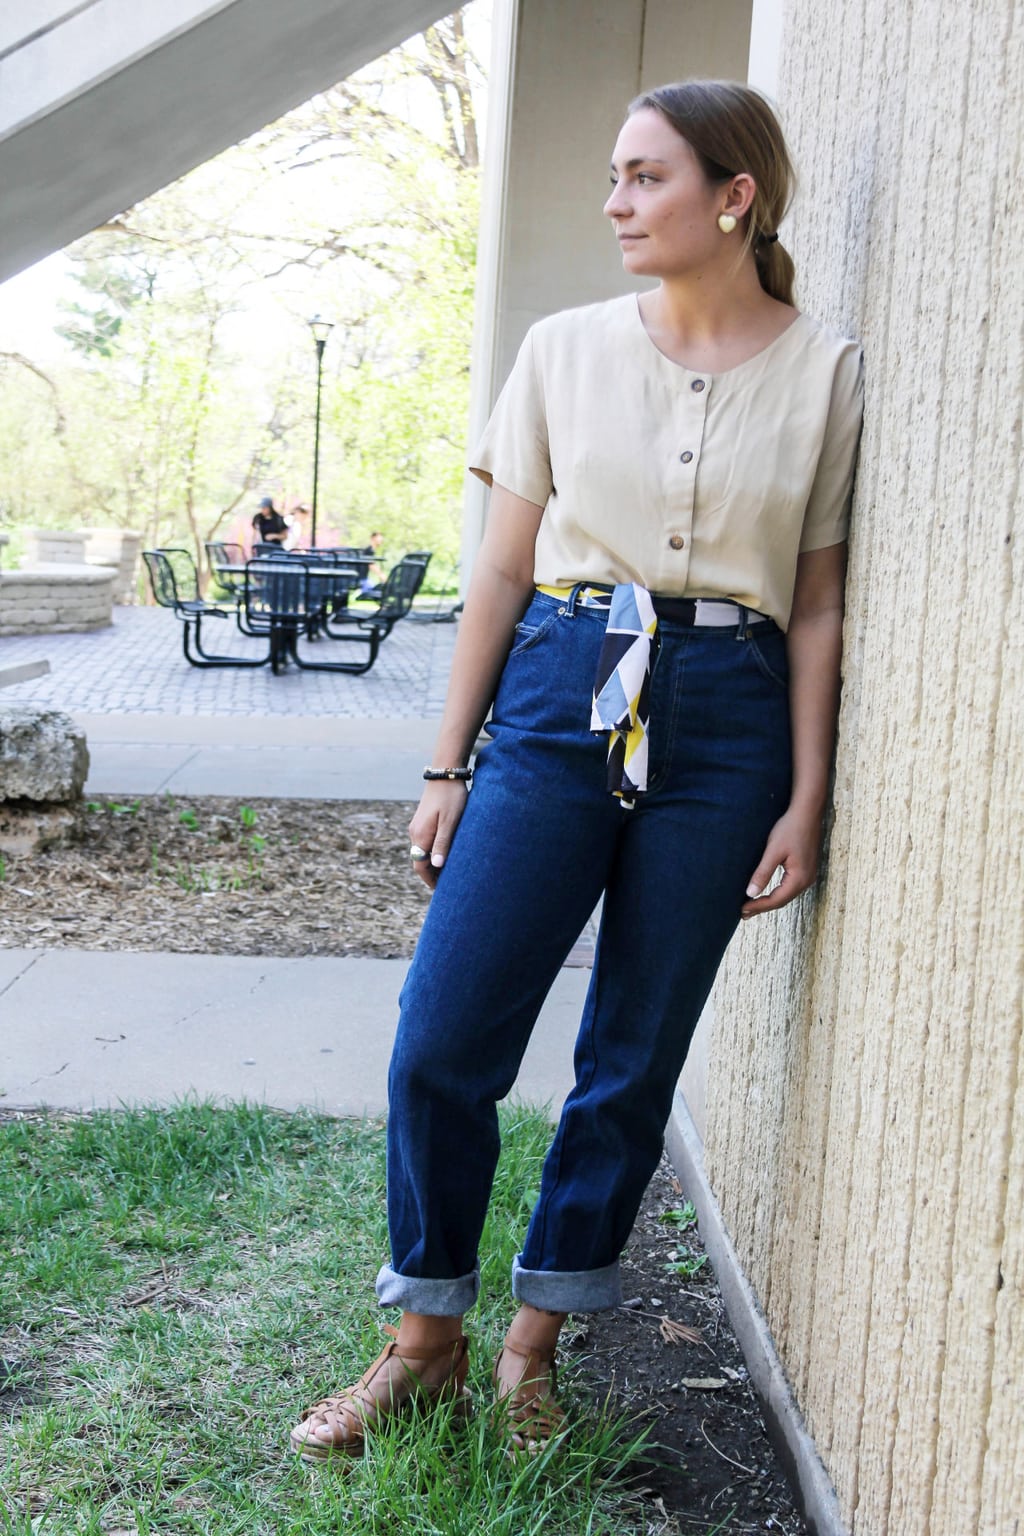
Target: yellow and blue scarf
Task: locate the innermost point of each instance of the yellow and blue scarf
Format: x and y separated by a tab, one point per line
622	688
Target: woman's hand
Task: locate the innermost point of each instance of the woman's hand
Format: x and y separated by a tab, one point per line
794	843
433	826
499	592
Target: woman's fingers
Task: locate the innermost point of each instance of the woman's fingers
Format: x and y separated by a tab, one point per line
794	850
791	885
433	827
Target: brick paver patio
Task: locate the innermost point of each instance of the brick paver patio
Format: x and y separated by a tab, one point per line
137	667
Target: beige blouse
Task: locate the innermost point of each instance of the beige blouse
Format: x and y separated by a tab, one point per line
693	484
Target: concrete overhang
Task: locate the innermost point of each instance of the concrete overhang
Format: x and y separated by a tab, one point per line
102	102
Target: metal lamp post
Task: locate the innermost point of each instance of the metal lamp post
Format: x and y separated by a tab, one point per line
320	329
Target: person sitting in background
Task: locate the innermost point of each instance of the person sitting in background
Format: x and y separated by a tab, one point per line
369	585
270	526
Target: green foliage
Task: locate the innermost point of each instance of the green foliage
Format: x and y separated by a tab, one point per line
687	1265
682	1217
93	328
683	1261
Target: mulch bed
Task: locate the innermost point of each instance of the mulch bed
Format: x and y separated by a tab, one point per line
220	876
207	875
669	1357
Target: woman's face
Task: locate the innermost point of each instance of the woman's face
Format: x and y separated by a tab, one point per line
662	206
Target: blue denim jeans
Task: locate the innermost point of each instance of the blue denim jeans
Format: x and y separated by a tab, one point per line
540	840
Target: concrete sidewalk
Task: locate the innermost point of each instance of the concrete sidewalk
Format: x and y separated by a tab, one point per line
257	757
81	1029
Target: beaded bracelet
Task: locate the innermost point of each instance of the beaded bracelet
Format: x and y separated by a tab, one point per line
465	774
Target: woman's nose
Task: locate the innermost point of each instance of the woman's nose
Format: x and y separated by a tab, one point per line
617	206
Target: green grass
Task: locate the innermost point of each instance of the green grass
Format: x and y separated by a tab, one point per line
177	1285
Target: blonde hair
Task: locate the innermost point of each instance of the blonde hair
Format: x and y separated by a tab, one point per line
732	129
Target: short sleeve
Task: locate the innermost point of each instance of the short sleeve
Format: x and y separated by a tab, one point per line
514	448
826	520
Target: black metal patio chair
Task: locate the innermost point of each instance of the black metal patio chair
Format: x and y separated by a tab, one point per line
400	586
227	564
175	584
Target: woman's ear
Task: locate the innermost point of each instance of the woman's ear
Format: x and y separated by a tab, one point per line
739	195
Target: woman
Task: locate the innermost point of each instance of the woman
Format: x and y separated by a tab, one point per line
671	476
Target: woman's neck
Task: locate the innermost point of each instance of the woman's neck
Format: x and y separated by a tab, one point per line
713	320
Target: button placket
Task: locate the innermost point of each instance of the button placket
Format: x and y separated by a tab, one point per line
679	505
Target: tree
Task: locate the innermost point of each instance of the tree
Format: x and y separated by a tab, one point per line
189	388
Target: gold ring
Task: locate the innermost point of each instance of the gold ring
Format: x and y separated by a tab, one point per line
416	853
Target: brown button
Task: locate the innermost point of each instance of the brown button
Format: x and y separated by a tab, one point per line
697	386
684	458
676	541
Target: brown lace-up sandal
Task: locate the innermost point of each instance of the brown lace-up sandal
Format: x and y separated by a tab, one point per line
349	1416
528	1412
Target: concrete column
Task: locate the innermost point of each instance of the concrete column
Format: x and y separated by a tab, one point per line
866	1104
766	18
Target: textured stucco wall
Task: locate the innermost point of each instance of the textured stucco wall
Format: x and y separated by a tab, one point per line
867	1054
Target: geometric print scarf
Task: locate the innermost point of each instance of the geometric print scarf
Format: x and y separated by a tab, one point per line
622	689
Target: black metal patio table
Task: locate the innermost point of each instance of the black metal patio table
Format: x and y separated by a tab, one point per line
288	596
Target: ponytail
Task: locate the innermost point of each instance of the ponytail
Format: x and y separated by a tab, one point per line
774	268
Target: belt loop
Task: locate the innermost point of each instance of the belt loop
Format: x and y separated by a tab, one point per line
742	632
570	602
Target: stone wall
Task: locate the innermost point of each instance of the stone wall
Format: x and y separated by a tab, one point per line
51	599
119	547
866	1110
56	546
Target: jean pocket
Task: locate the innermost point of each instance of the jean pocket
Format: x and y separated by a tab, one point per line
769	651
527	633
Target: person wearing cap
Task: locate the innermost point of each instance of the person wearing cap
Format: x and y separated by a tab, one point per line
269	525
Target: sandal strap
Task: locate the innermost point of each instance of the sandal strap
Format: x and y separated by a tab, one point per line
455	1347
350	1402
544	1359
532	1419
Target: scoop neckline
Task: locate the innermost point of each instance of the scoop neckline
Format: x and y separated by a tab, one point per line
708	373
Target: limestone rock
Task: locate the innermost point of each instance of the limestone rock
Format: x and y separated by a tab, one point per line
29	826
43	755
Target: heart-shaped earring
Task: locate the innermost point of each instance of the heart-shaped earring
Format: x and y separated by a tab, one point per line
726	223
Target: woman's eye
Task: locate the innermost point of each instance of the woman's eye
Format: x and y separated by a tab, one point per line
645	177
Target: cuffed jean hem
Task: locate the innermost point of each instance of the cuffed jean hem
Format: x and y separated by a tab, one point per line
583	1290
432	1298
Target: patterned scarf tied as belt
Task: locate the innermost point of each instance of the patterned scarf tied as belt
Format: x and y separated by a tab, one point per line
622	689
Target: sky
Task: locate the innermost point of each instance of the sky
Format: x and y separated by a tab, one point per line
28	309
